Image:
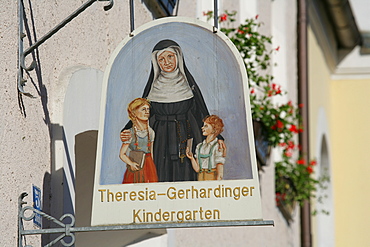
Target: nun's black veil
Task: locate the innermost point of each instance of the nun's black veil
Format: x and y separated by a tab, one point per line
195	114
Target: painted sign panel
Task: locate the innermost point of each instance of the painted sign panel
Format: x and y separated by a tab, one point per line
175	138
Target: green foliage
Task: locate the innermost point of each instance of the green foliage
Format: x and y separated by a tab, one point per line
281	122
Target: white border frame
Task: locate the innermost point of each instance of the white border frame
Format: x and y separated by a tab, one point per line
249	208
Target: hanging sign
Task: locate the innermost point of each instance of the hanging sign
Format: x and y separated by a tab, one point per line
175	139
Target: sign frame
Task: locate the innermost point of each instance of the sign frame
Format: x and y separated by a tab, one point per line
118	198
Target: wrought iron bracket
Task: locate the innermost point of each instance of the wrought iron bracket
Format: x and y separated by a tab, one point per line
215	16
68	230
22	54
132	18
65	229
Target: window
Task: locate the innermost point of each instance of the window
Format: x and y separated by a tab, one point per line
161	8
168	5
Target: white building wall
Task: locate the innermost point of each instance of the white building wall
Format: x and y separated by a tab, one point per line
276	17
31	139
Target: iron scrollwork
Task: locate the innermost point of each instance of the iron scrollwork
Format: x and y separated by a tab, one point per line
65	229
22	54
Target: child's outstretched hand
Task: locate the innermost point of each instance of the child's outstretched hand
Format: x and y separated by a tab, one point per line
125	135
189	154
134	166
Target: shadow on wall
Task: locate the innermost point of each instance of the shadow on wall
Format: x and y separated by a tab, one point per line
38	84
85	154
46	196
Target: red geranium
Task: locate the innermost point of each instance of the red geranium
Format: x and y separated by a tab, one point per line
313	163
309	169
241	31
291	144
293	128
288	153
301	162
223	17
279	124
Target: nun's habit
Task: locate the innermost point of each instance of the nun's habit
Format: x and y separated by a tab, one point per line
177	111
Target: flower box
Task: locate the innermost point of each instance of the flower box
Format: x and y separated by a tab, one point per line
261	142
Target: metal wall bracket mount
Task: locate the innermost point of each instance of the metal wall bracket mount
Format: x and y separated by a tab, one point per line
215	16
68	230
22	54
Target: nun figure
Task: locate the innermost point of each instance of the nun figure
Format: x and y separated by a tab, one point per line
178	109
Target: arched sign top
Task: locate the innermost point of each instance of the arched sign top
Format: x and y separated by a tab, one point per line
188	73
191	24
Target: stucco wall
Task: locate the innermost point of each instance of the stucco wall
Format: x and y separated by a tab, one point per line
319	122
28	126
338	112
25	135
351	141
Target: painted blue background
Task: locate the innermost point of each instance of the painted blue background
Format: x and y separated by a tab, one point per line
215	70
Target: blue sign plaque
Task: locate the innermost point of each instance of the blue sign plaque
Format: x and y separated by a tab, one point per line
37	220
